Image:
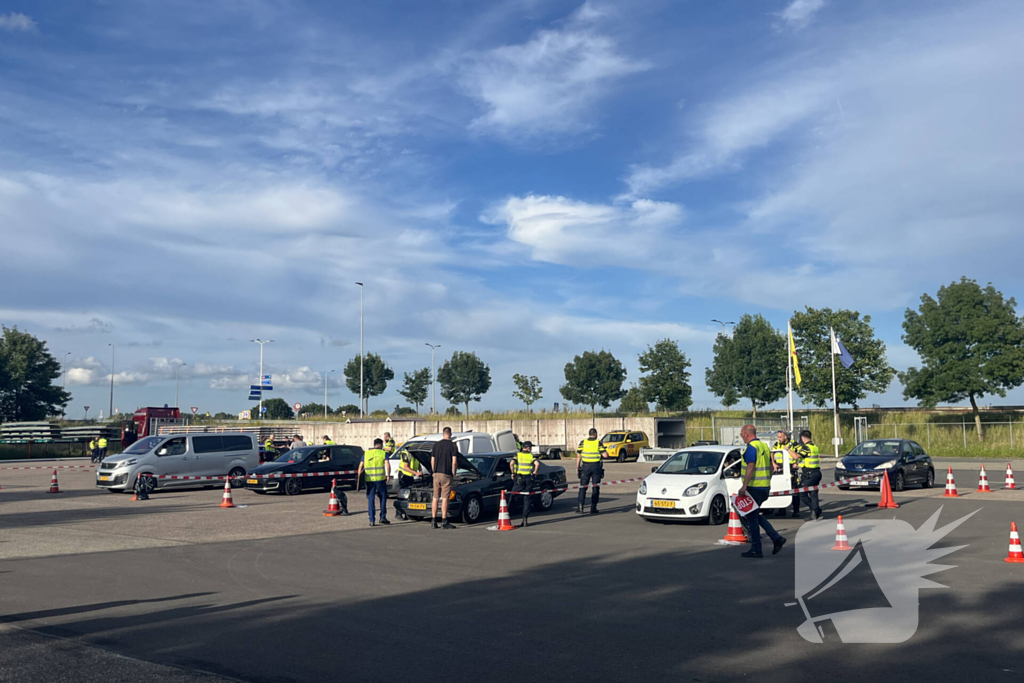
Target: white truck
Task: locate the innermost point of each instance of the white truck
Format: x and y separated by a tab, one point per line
467	442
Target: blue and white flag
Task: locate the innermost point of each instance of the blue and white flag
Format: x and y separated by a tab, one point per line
839	350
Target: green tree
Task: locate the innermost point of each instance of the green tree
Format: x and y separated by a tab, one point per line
27	375
312	409
667	384
870	371
971	344
592	379
376	375
750	364
415	387
453	411
633	402
406	411
225	416
528	389
464	378
277	409
347	410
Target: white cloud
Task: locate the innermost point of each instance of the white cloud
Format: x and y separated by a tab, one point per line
15	21
800	12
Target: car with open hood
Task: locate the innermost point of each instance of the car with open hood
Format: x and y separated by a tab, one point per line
698	483
477	487
309	467
903	460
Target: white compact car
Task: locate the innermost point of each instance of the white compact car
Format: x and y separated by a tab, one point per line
697	484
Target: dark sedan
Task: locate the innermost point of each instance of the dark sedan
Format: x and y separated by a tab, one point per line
477	487
903	460
313	463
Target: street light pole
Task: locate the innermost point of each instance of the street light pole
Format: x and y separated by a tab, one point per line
111	412
433	377
325	392
259	414
361	397
723	324
176	369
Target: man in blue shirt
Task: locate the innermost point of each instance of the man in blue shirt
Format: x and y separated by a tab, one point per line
757	481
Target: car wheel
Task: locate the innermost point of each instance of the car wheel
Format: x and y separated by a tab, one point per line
719	512
472	509
622	456
545	500
237	477
150	481
900	483
929	480
293	486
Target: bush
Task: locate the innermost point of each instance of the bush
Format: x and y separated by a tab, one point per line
349	410
379	414
453	411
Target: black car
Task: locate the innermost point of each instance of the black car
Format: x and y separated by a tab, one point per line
903	460
313	463
477	487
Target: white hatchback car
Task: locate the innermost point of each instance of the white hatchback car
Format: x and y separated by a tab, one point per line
697	484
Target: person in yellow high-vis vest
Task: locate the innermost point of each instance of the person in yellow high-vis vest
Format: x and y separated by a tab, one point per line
590	471
101	444
810	475
408	470
757	481
525	468
92	450
788	450
376	469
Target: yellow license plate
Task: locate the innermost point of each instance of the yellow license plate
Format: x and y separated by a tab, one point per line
252	481
417	506
104	478
663	503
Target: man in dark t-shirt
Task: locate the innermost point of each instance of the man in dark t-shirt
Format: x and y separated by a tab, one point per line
444	462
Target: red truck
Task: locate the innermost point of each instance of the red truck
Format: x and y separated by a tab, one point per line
142	423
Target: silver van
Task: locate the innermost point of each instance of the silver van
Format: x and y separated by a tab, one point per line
192	455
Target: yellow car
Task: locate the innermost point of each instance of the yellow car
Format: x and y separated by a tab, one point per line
622	445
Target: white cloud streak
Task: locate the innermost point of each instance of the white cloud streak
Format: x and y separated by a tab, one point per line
799	13
15	21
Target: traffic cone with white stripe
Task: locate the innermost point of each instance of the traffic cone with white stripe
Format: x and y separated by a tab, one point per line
950	485
842	543
504	520
226	501
53	483
1009	485
734	534
887	500
983	481
333	506
1016	555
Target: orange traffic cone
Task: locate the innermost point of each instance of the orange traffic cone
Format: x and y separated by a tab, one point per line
504	520
1009	485
983	481
950	485
887	500
226	501
53	483
735	531
842	543
333	506
1015	552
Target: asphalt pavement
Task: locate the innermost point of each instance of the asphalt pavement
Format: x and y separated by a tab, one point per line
178	589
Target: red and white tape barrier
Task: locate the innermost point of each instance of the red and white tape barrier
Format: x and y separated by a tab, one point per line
51	467
805	489
575	487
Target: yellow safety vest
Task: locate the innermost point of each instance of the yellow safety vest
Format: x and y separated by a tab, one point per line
102	443
389	446
373	464
269	446
329	443
811	457
524	464
409	466
778	457
92	445
591	451
762	465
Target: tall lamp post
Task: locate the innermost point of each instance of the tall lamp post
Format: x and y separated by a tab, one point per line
325	392
259	414
723	324
111	412
63	378
361	398
433	377
176	369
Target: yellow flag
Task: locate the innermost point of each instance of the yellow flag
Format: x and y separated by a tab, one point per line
792	352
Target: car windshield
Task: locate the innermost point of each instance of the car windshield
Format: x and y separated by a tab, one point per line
295	454
692	462
886	449
613	438
144	445
482	464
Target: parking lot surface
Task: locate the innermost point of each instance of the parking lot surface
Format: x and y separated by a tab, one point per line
273	591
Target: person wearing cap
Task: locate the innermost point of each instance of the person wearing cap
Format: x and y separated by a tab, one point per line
810	475
590	471
526	467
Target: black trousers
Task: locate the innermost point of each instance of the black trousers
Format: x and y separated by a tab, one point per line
524	483
810	498
590	473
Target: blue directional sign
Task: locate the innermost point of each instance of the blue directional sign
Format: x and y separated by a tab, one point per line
254	397
264	409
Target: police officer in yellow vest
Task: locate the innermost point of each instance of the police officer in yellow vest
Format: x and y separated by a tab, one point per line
784	448
757	482
590	470
377	469
810	475
92	450
526	467
328	441
408	470
389	443
270	452
102	445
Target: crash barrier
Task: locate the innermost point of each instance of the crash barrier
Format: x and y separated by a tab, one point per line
805	489
51	467
575	487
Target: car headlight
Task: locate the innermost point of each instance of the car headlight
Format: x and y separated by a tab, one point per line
127	463
886	465
643	488
403	494
696	489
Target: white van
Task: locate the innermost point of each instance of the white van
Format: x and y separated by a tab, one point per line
467	443
191	455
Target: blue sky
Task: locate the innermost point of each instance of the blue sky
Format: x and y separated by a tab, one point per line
523	179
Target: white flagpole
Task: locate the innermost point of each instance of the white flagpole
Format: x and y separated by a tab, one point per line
835	404
789	384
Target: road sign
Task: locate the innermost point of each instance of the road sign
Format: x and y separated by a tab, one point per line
263	409
194	410
297	406
86	407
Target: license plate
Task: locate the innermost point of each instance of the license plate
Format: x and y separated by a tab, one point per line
252	481
862	482
663	503
417	506
104	478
